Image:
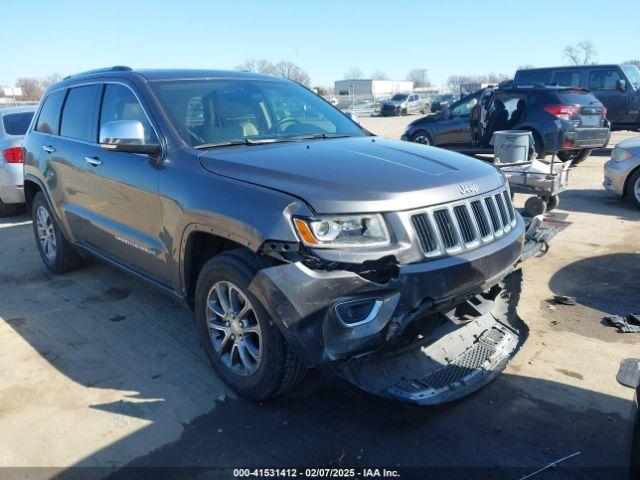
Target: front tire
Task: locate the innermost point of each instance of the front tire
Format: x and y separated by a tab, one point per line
244	346
421	137
56	252
633	189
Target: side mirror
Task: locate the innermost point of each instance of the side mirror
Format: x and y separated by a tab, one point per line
621	85
126	136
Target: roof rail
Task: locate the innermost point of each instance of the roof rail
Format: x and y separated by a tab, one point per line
115	68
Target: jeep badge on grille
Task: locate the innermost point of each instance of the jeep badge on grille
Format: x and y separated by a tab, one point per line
466	188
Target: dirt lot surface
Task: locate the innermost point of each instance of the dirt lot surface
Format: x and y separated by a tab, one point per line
100	370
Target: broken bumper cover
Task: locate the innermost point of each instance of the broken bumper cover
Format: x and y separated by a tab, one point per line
306	303
458	357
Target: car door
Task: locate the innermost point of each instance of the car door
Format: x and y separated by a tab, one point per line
116	211
413	104
603	82
126	191
455	129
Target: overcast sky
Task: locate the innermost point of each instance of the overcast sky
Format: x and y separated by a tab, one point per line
325	38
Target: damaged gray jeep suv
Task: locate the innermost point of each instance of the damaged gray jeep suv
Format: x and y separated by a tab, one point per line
298	238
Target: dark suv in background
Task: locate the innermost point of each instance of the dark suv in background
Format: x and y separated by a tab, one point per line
568	120
244	195
616	86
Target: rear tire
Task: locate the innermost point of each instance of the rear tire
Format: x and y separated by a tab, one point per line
56	252
576	156
10	209
633	189
247	351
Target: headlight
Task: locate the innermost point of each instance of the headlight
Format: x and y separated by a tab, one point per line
343	231
621	155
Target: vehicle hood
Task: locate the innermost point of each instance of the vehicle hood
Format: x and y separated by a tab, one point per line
355	174
630	144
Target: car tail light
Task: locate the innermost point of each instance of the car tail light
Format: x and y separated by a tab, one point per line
565	112
13	155
604	112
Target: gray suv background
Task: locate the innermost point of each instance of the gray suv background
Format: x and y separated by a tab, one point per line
298	238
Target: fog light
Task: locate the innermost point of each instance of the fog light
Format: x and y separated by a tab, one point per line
358	312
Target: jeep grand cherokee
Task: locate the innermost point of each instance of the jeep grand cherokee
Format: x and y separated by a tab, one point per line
298	238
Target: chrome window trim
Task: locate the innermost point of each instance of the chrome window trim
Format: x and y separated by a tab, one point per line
97	82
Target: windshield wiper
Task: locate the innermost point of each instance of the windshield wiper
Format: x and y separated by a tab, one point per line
243	141
320	135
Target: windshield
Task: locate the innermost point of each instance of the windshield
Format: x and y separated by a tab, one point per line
398	97
633	74
247	112
16	123
443	97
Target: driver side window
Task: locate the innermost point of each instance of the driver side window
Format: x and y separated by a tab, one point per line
119	103
464	109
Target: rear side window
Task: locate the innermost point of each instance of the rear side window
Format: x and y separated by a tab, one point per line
530	78
16	123
566	78
119	103
79	113
49	118
603	79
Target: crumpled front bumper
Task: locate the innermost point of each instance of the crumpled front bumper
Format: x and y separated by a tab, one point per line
303	301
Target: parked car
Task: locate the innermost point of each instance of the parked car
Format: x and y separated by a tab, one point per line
622	171
14	122
404	279
570	120
443	101
403	104
616	86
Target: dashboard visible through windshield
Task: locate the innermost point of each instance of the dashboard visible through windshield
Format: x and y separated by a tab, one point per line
238	111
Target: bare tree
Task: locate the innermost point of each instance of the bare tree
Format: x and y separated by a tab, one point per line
419	77
284	69
379	75
31	89
353	73
49	80
635	62
525	66
582	53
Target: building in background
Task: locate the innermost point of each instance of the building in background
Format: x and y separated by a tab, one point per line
369	87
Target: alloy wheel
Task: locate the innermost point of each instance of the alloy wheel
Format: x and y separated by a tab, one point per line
422	139
636	189
234	328
46	234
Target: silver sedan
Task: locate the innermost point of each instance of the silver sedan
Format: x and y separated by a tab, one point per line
622	172
14	122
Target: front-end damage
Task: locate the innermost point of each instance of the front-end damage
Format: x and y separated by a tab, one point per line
425	333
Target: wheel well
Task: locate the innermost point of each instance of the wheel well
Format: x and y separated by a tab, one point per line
628	179
426	132
30	190
200	247
537	138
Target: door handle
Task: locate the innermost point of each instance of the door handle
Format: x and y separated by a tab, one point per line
48	148
93	161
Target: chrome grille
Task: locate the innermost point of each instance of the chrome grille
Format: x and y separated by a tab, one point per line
464	221
446	228
425	234
464	225
481	218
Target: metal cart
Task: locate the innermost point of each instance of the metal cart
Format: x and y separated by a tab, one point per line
534	178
